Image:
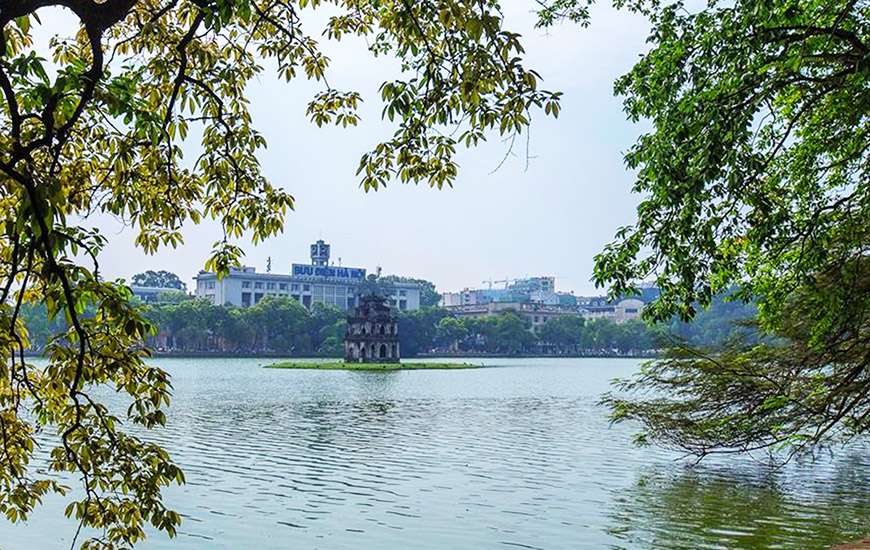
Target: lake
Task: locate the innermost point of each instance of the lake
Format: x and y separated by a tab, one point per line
515	457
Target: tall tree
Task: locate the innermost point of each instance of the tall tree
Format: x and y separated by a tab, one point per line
754	175
564	333
326	325
511	333
449	332
417	329
158	279
275	320
102	132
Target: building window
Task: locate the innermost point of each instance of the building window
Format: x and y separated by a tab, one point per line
631	310
282	286
294	286
306	288
403	305
246	284
257	297
246	299
211	284
270	286
403	293
258	285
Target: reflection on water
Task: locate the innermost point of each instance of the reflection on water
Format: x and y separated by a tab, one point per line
811	506
492	458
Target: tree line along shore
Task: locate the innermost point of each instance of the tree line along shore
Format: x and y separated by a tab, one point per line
281	327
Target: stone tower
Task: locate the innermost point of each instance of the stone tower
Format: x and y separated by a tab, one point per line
372	333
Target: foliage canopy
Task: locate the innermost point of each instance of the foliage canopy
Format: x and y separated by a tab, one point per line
99	128
158	279
755	182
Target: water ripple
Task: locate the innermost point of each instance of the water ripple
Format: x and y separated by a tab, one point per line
486	459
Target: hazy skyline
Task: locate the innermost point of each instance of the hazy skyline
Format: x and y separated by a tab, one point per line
549	218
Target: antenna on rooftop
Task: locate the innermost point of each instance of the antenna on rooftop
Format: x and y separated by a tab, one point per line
269	264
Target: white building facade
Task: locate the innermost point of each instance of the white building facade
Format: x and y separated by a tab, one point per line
537	299
620	311
308	284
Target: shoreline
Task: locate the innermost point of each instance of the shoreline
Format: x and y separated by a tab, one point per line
340	365
276	355
426	357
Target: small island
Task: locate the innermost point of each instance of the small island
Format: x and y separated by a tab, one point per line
342	365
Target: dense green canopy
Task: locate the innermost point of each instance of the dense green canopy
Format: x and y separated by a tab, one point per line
94	122
754	178
158	279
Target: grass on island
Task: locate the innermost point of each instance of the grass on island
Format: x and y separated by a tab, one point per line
341	365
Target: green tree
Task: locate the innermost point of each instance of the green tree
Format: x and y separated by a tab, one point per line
481	333
511	333
633	336
241	332
159	279
102	131
276	320
326	327
191	325
755	176
599	335
506	332
722	321
417	329
173	297
563	333
449	332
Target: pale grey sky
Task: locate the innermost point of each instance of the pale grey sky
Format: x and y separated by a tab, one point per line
549	219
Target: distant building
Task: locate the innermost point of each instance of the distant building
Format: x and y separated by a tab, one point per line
309	284
532	289
567	299
153	294
618	311
536	299
535	314
372	334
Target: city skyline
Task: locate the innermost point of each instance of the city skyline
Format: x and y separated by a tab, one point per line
285	266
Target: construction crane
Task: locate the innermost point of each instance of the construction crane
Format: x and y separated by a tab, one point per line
505	281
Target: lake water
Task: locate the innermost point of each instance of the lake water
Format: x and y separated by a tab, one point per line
496	458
